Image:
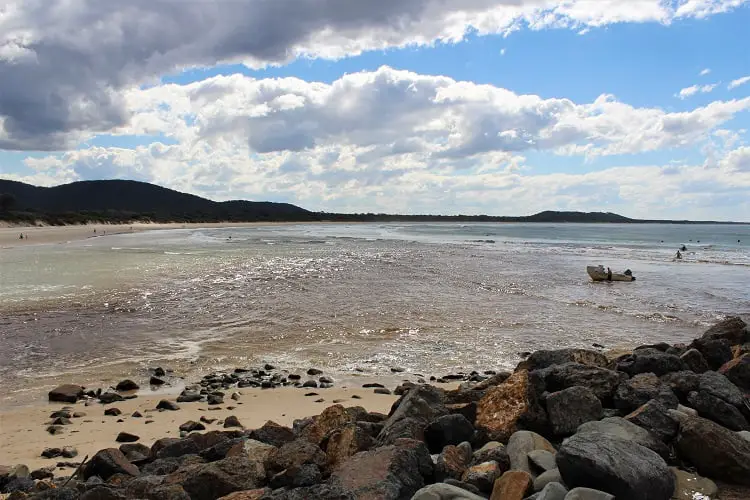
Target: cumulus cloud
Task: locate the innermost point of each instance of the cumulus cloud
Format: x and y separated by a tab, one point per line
65	62
737	160
738	82
696	89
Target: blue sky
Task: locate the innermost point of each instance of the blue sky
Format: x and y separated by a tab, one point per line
637	108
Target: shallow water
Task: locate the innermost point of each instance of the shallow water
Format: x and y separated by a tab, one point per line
431	298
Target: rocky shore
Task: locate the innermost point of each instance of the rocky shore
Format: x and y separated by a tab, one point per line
662	422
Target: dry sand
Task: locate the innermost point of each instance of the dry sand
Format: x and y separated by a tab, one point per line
23	434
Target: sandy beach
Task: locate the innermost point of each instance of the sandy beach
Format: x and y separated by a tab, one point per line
23	434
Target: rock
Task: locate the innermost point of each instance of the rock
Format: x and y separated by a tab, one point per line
215	399
273	434
588	494
510	406
255	494
600	381
167	405
716	352
108	462
390	472
314	371
714	450
720	386
569	408
103	493
738	371
126	385
250	448
412	413
136	414
649	361
447	429
382	390
718	410
695	361
744	435
66	393
51	452
519	446
452	462
113	412
655	418
492	452
543	479
17	486
207	420
331	419
543	460
345	442
189	397
135	452
616	427
55	429
682	383
294	454
731	329
482	476
61	421
232	421
296	477
40	474
156	381
443	491
191	426
688	484
216	479
639	390
310	383
543	359
687	411
109	398
513	485
464	486
622	468
553	491
126	437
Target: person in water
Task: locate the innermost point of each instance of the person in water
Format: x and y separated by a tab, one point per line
679	255
683	248
609	274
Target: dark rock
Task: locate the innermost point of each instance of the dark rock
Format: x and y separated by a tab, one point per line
553	491
189	397
19	485
136	414
156	381
482	476
103	492
492	452
55	429
569	408
382	390
61	414
720	386
314	371
294	376
716	352
453	461
215	399
250	448
661	346
650	361
325	380
714	450
51	452
511	406
216	479
619	428
682	383
224	449
40	474
126	385
622	468
126	437
695	361
294	454
639	390
543	359
113	412
600	380
67	393
655	418
372	385
346	441
109	398
731	329
61	421
447	429
738	371
412	413
161	466
273	434
206	420
310	383
464	486
718	410
165	404
159	372
389	473
135	452
513	485
107	463
191	426
296	477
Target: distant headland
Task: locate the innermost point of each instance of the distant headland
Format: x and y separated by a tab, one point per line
124	201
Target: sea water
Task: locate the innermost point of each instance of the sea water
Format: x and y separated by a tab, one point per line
431	298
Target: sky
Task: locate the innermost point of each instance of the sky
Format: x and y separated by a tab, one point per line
500	107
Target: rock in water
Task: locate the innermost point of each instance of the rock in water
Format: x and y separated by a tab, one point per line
655	418
622	468
448	429
731	329
510	406
688	484
738	371
714	450
513	485
543	359
108	462
67	393
569	408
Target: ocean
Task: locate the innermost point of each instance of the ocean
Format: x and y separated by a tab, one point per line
354	299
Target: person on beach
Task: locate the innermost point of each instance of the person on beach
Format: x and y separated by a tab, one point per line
20	237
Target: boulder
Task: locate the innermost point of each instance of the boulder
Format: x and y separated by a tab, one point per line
331	419
294	454
482	476
273	434
390	472
165	404
720	386
106	398
126	437
510	406
191	426
296	477
66	393
109	462
715	451
453	461
543	359
738	371
588	494
619	428
649	361
345	442
695	361
255	494
543	479
492	452
519	446
553	491
718	410
411	413
232	421
513	485
250	448
733	329
447	429
216	479
126	385
689	486
443	491
600	381
716	352
639	390
135	452
622	468
569	408
542	460
681	383
655	418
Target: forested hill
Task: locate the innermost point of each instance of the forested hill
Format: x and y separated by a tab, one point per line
120	201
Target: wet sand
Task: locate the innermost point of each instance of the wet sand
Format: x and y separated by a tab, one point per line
23	434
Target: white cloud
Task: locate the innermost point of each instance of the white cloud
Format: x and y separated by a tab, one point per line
740	81
502	52
695	89
705	72
737	161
